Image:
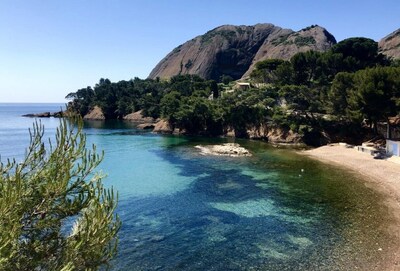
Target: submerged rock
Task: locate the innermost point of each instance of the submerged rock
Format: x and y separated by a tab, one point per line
227	149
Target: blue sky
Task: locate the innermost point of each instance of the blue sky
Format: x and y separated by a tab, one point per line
51	48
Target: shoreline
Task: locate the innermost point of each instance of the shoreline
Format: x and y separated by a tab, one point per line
383	176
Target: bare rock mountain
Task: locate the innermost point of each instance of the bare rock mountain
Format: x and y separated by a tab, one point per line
225	50
390	45
233	50
286	45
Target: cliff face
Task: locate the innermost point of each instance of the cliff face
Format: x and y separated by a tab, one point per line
233	50
225	50
390	45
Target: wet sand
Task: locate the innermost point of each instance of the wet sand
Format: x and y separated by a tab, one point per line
381	175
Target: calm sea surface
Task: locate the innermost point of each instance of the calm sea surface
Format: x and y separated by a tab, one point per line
185	211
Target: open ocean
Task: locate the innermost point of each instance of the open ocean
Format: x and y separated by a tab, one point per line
182	210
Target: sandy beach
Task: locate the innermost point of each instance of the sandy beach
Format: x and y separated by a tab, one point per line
381	175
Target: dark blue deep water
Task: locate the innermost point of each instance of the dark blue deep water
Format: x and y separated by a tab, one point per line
182	210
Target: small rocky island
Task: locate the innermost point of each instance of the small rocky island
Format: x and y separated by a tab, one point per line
227	149
58	114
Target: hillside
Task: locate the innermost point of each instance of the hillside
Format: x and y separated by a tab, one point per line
233	50
285	46
390	45
315	98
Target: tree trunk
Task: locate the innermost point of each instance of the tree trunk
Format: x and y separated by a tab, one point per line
375	127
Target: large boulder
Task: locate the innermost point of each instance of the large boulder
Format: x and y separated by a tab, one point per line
95	114
163	127
138	117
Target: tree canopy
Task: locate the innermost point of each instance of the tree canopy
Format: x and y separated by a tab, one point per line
345	85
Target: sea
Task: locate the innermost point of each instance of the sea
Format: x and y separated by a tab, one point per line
182	210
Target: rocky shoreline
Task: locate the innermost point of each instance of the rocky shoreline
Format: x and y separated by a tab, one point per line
273	135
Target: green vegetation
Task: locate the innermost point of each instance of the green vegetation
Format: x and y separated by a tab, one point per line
226	79
54	212
318	95
375	94
280	40
240	30
309	27
304	41
265	71
298	40
177	49
188	64
227	34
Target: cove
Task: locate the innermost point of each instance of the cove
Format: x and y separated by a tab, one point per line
275	210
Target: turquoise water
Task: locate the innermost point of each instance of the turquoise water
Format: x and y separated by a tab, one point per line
185	211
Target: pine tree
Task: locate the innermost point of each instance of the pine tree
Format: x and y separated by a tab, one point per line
55	213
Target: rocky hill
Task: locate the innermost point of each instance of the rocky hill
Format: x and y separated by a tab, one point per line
390	45
233	50
314	38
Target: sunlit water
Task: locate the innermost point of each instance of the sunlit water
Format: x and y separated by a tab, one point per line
184	211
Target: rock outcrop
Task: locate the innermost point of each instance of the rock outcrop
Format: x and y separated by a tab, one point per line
145	123
139	118
163	127
390	45
287	44
227	149
95	114
274	135
233	50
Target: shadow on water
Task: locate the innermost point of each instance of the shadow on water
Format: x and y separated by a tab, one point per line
274	211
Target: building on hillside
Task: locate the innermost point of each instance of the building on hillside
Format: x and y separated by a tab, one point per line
242	85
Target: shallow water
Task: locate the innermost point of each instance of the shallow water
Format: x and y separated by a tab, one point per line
273	211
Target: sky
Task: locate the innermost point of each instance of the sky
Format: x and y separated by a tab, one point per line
51	48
